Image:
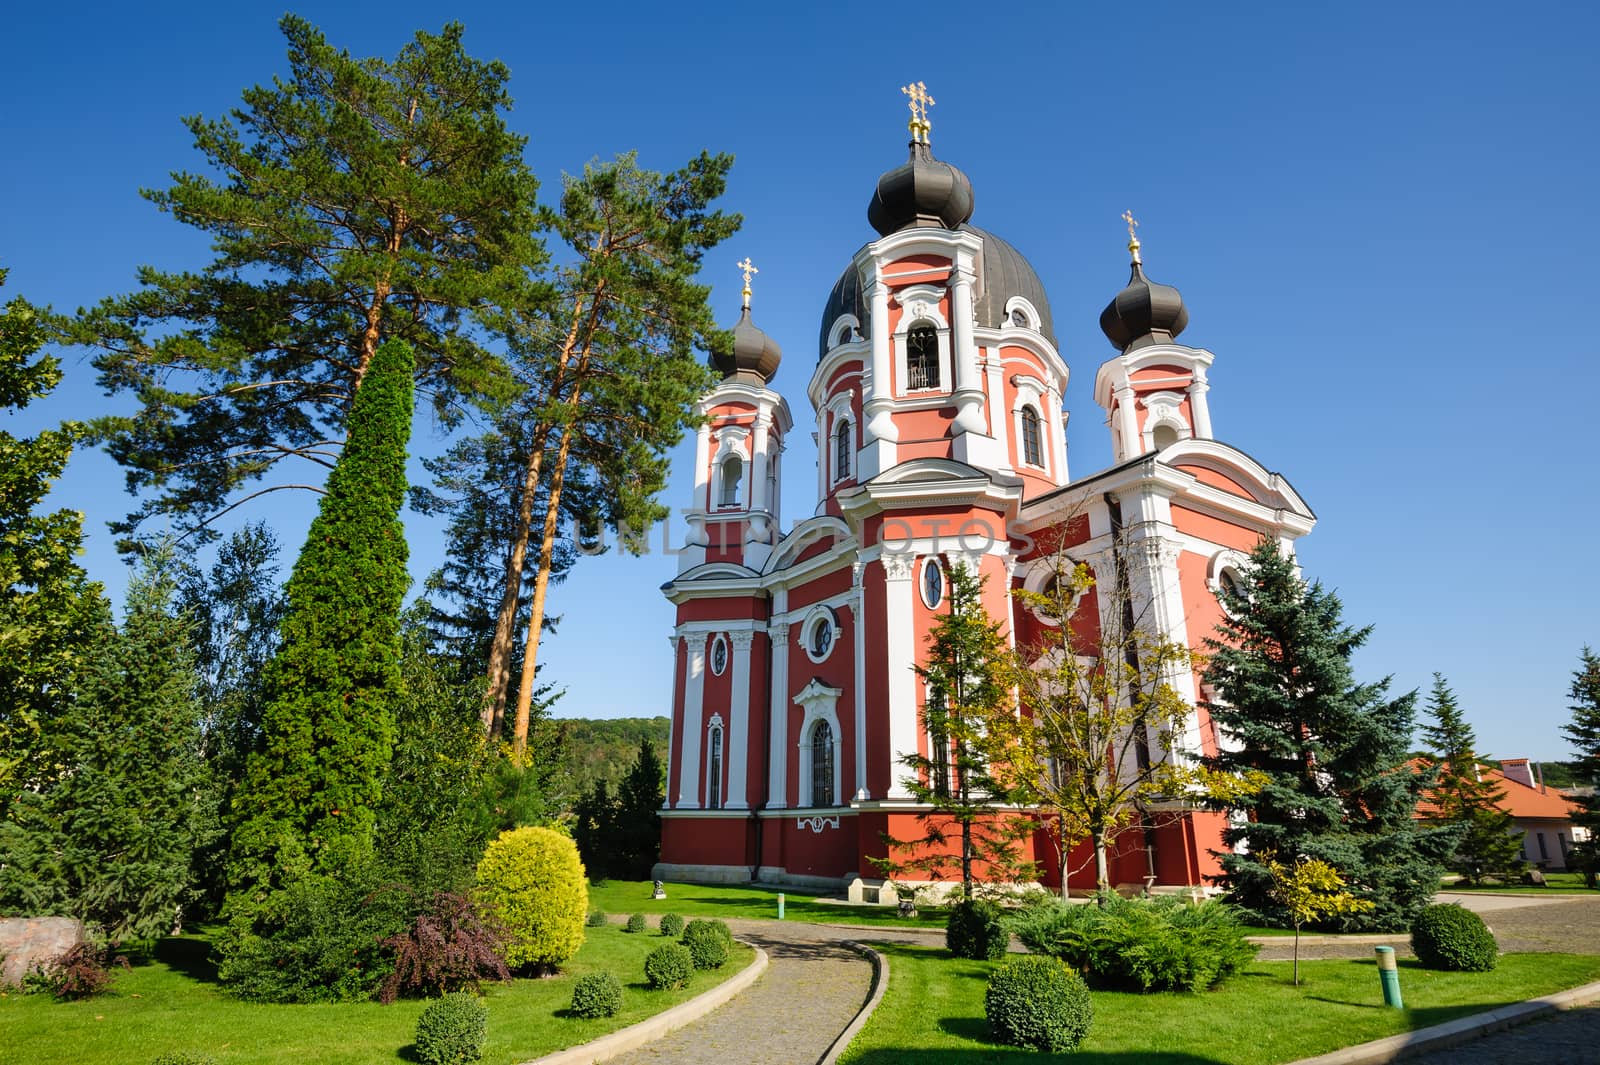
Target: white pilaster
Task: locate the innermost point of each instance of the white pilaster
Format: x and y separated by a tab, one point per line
694	692
672	782
1127	423
879	434
736	746
778	707
969	389
899	654
1199	406
858	624
1055	425
999	415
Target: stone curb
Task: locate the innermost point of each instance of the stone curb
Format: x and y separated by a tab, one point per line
653	1028
1460	1030
1361	939
880	983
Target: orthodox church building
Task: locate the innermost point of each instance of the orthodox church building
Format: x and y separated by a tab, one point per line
942	442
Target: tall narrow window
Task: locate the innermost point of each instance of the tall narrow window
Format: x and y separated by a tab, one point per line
1032	451
714	772
938	745
841	450
922	358
822	764
732	472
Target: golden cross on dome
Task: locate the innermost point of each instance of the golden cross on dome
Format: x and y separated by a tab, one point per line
919	103
1133	238
749	269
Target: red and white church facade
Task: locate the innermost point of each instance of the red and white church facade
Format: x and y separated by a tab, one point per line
941	442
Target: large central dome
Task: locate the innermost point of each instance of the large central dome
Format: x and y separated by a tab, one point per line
1002	274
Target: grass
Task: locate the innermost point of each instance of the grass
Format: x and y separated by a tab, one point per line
174	1004
933	1010
1555	884
724	900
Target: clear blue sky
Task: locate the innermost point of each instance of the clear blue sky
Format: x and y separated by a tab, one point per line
1381	216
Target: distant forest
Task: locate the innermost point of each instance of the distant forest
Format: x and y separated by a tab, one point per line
604	748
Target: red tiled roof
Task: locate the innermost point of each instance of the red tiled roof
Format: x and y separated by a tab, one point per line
1519	801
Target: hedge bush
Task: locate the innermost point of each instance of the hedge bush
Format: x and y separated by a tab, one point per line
597	995
531	879
452	1030
1450	937
595	920
672	924
1156	944
1037	1002
709	942
669	967
974	930
636	922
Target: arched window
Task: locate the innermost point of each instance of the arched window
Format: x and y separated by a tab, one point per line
1163	437
1032	450
732	473
714	772
822	764
841	450
922	358
938	725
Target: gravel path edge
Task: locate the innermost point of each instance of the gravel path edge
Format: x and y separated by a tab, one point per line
1460	1030
653	1028
880	984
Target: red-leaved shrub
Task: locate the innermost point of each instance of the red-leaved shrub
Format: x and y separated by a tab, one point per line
451	945
83	971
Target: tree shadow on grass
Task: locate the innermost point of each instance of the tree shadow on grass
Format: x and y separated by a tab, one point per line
189	956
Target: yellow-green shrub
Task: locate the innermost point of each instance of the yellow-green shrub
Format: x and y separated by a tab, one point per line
532	881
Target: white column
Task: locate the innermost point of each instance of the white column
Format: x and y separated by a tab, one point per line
736	745
899	653
702	466
778	707
757	528
879	434
1058	434
1199	406
997	406
672	782
858	623
969	390
694	692
1128	423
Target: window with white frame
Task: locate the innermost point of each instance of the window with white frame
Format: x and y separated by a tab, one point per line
732	474
922	357
714	768
841	450
1032	446
819	633
822	764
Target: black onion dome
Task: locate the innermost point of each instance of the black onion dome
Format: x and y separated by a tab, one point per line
921	192
753	352
1002	274
1144	313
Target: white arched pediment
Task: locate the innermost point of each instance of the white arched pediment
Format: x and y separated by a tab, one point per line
1265	487
928	469
712	571
802	536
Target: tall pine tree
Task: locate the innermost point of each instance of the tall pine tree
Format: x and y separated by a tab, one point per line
1331	754
1466	797
328	723
1584	734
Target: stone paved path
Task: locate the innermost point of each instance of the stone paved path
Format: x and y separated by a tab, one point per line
1570	1038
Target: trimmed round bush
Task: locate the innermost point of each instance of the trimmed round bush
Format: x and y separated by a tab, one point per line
597	995
532	881
672	924
1451	937
451	1031
669	967
974	930
595	920
636	922
1037	1002
708	943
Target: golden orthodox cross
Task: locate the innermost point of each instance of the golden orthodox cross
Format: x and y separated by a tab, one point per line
1133	238
919	103
749	269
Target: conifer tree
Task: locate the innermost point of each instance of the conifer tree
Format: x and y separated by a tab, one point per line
1464	796
50	612
1584	734
110	840
310	793
354	200
639	802
1331	753
970	684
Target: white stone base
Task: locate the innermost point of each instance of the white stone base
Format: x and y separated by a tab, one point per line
701	874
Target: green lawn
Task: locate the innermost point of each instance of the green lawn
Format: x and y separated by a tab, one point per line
1555	884
933	1010
172	1004
623	897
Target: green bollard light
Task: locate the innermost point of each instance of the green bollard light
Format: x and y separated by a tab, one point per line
1389	974
780	905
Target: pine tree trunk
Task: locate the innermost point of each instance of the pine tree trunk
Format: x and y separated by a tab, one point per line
494	701
541	586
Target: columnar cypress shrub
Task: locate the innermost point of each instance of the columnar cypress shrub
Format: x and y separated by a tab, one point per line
309	795
532	881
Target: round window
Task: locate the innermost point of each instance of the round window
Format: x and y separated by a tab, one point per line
821	638
719	655
932	583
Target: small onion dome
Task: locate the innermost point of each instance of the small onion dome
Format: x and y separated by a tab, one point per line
1144	313
753	352
921	192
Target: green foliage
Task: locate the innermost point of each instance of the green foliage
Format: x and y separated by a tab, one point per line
51	614
310	794
596	919
354	201
1331	755
607	748
82	972
450	946
636	922
1452	937
1160	944
1584	734
621	837
1309	889
110	838
672	924
975	930
970	683
1462	796
1039	1004
453	1030
669	967
531	879
708	943
596	995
